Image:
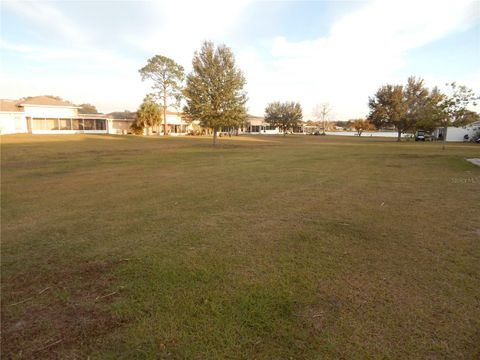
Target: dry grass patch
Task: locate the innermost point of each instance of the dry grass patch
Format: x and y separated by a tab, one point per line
266	247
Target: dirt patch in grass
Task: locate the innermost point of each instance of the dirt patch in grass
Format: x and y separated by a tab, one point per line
70	311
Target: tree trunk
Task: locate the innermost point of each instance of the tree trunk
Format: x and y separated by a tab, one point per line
164	111
444	137
399	137
214	137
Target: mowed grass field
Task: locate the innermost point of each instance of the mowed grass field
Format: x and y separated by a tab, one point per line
298	247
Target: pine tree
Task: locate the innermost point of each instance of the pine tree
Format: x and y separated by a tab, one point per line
167	77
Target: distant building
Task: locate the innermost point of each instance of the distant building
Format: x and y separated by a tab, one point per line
257	125
458	133
12	118
51	115
47	115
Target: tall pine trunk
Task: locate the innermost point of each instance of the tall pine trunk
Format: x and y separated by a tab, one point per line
444	137
214	137
164	111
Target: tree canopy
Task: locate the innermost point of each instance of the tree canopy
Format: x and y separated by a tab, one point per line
87	109
167	77
454	108
455	105
413	107
126	114
399	106
361	125
214	91
287	115
148	115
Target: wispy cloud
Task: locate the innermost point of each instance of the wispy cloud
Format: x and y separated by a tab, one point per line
363	50
184	25
47	16
78	70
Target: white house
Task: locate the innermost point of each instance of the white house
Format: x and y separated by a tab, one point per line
12	118
176	125
257	125
458	133
48	115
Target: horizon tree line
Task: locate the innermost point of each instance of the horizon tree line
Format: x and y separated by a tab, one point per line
214	95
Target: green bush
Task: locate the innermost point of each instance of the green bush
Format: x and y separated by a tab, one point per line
136	129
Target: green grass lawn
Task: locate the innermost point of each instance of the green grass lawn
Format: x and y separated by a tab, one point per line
123	247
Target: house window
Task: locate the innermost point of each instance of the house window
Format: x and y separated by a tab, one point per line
77	124
65	124
38	124
51	124
100	124
88	124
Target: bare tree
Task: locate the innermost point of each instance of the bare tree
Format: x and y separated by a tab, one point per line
322	112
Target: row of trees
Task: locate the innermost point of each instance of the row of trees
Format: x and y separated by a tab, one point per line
413	106
213	91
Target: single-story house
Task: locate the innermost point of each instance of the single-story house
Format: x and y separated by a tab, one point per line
51	115
176	125
458	133
47	115
257	125
12	118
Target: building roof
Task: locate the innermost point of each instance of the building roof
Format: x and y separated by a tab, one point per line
119	119
173	113
91	116
255	120
9	105
45	101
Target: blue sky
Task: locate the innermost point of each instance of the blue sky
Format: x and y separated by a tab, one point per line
313	52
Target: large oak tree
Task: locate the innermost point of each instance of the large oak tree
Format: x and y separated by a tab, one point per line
398	106
455	107
287	115
214	89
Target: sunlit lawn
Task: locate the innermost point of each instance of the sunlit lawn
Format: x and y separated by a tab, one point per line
297	247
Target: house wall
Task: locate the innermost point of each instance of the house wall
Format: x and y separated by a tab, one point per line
458	133
262	129
174	119
175	125
68	125
50	112
119	126
12	123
